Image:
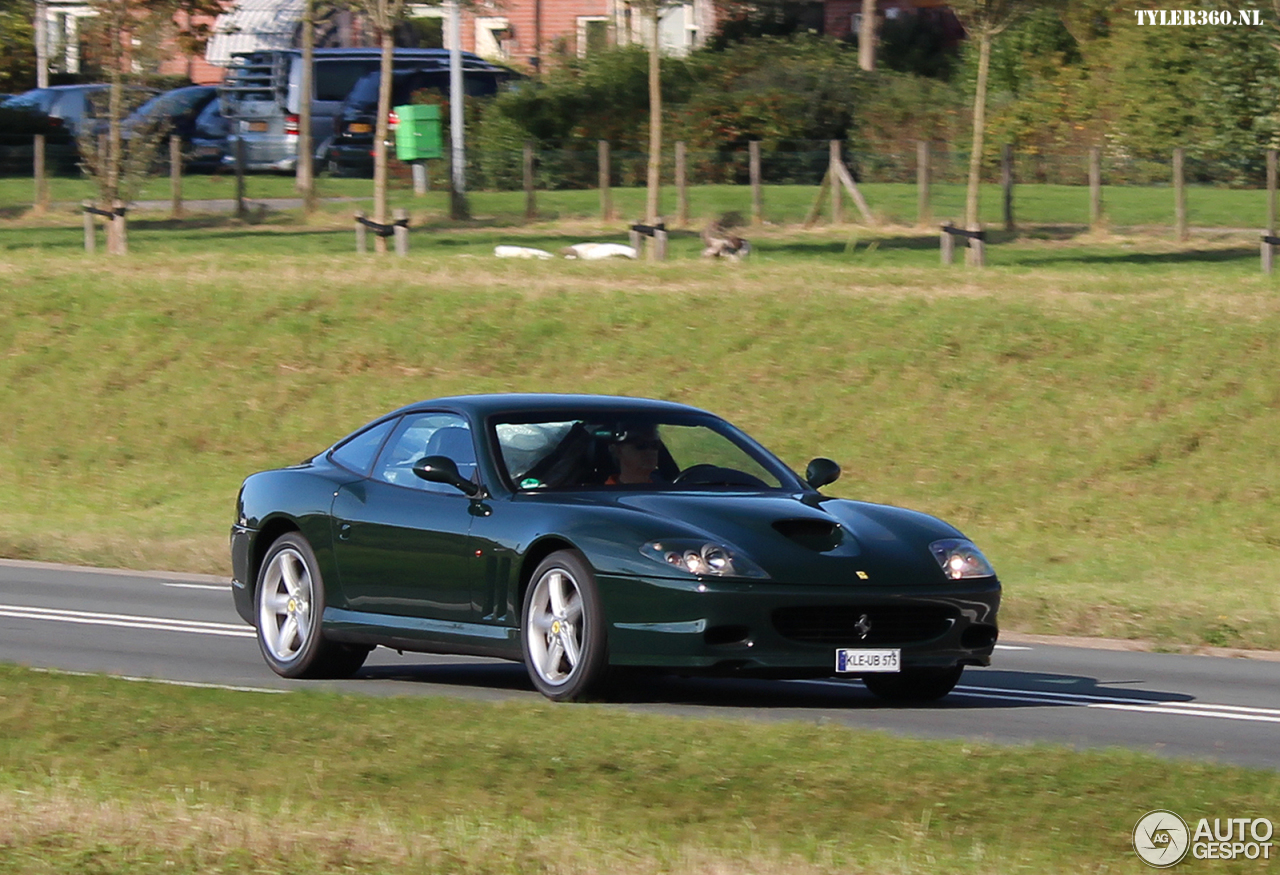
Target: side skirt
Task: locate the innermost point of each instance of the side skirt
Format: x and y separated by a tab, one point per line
421	635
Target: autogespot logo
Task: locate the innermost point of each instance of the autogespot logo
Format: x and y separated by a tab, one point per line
1161	838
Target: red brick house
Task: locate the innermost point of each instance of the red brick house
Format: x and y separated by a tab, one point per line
526	34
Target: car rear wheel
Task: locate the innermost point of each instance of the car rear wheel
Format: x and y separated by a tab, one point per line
914	684
290	602
563	631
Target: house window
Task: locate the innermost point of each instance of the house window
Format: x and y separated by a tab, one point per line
593	35
492	35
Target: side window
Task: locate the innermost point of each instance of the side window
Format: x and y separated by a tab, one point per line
357	454
427	434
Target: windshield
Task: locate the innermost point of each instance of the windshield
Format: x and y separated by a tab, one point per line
173	103
623	450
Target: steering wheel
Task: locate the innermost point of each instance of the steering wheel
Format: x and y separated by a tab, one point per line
713	475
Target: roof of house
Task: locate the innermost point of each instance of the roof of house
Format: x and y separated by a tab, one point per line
252	25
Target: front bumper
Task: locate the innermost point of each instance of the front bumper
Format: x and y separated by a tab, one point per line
783	630
241	585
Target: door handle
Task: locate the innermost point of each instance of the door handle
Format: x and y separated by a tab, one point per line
344	532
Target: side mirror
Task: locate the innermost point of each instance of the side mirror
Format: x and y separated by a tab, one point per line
442	469
821	472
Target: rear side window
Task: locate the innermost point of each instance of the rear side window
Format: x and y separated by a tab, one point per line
335	79
358	453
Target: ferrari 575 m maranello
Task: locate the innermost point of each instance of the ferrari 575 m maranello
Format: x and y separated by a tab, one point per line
583	535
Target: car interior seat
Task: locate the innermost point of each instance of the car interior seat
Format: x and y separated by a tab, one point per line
455	443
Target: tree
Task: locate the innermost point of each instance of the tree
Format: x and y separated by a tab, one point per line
128	39
383	15
984	20
867	36
17	35
652	11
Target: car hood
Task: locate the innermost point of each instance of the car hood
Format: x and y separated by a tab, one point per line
803	537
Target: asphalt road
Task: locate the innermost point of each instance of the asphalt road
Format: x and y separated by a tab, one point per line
183	628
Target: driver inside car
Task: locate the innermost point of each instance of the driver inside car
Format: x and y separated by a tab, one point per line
635	454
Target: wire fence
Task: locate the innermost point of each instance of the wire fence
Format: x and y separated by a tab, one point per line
1047	187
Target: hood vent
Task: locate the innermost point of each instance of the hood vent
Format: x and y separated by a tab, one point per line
817	535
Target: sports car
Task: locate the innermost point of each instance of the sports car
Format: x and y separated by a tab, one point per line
589	535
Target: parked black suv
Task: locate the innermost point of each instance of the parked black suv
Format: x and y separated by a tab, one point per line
351	149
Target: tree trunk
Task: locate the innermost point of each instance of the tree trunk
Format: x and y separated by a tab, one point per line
306	183
867	36
380	139
652	205
979	126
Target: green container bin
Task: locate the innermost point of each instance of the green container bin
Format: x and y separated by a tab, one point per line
418	135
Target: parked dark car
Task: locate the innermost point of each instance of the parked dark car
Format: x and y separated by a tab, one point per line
351	149
60	109
580	534
174	112
208	144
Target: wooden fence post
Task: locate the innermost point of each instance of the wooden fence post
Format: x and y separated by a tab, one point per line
90	228
924	212
660	244
948	245
682	185
977	252
757	198
402	232
530	198
175	175
240	210
606	174
1006	183
1180	193
118	241
41	202
837	196
1095	188
1271	192
362	233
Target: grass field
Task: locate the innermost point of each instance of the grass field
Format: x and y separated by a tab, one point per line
1100	414
102	776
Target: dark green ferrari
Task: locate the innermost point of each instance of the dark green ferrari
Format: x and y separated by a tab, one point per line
585	534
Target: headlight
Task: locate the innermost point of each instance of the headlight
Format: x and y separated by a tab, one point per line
960	559
702	558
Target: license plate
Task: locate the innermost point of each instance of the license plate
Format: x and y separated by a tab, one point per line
360	128
257	127
849	660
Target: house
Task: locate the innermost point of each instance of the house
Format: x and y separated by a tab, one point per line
64	51
526	34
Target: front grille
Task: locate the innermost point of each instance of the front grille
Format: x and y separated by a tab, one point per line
838	624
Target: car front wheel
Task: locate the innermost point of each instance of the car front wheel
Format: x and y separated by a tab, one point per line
914	684
563	631
290	603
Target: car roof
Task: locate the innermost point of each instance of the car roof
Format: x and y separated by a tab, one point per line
533	402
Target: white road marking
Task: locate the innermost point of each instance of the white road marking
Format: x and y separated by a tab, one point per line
1010	647
225	587
1111	703
141	680
126	621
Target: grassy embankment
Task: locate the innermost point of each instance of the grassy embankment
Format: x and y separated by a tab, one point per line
1100	417
104	777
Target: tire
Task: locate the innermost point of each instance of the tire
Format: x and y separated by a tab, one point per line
563	630
914	684
289	604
